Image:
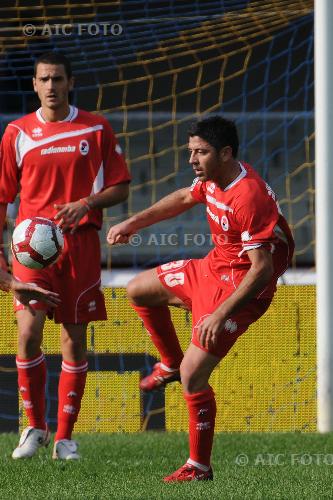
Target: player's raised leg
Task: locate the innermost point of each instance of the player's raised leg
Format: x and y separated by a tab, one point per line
71	388
196	369
150	300
31	369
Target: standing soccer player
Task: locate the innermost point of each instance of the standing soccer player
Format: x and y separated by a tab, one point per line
227	290
67	166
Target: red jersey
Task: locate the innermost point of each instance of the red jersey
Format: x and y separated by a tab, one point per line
243	216
59	162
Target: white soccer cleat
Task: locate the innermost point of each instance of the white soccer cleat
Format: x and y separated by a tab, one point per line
30	441
65	449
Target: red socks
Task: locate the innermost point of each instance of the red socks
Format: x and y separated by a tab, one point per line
202	412
31	382
70	391
157	321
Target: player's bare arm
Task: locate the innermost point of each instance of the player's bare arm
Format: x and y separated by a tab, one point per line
3	211
25	292
6	281
70	214
171	205
257	277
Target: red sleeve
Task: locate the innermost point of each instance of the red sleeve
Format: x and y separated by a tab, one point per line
9	171
198	190
115	168
257	219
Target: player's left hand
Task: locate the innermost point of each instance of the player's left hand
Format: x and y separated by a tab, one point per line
69	215
210	329
25	292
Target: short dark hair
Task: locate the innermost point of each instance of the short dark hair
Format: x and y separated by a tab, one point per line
218	132
54	58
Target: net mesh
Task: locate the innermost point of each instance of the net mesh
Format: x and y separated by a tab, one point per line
165	65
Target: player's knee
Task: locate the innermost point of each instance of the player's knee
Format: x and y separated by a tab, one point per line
74	344
192	380
29	342
146	290
140	292
135	290
74	352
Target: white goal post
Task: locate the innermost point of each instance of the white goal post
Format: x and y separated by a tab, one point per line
324	209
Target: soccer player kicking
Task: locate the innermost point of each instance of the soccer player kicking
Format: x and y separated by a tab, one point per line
227	290
68	166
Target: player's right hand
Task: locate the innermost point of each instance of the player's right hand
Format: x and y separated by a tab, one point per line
120	233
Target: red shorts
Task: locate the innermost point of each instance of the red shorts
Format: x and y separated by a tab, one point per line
76	276
191	281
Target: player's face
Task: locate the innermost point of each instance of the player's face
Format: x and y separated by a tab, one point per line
204	159
52	85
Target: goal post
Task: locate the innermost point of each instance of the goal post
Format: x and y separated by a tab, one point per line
324	210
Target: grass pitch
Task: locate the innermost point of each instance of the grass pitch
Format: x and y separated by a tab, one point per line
130	467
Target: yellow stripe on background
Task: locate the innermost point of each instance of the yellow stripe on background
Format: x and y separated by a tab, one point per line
266	383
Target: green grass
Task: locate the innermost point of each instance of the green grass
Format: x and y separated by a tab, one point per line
125	466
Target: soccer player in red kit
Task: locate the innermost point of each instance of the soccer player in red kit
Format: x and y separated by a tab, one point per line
226	291
66	165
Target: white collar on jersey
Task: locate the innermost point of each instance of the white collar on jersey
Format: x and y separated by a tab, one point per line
73	111
242	174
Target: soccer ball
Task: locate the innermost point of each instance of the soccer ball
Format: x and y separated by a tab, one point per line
37	242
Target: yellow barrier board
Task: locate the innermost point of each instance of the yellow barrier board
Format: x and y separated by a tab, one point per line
266	383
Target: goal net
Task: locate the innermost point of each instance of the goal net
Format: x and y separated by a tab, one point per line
163	65
152	68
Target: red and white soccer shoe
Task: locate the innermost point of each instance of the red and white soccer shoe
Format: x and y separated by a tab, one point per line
189	472
159	378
